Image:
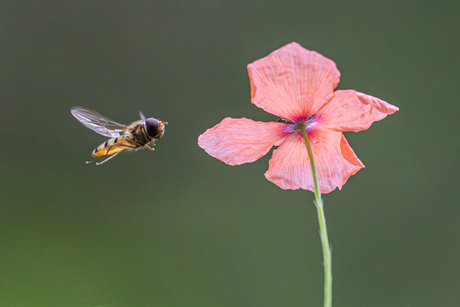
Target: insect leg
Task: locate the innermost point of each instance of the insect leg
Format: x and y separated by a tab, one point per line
149	146
101	158
138	144
99	163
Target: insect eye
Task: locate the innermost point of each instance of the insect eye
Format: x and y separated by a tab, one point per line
151	127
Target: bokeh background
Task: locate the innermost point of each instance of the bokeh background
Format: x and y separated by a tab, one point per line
176	227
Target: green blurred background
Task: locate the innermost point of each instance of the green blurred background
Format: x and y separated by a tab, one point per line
176	227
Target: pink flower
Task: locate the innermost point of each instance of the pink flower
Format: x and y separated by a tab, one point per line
298	85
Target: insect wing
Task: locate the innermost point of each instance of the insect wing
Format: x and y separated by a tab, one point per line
98	122
142	116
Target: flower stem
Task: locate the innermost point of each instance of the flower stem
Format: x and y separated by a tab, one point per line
322	225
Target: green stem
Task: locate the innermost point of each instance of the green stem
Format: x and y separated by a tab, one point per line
322	225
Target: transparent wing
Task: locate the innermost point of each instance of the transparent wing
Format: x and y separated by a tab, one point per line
141	115
97	122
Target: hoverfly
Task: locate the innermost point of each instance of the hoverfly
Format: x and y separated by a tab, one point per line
139	134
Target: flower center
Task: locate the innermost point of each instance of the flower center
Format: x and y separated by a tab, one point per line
307	124
298	125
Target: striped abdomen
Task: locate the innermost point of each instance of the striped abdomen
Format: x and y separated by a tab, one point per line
112	146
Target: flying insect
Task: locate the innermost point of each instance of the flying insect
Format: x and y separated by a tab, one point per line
139	134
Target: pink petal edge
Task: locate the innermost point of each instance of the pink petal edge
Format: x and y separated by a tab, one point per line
292	82
350	110
236	141
335	162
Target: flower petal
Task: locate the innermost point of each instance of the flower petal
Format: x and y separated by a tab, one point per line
353	111
335	162
236	141
292	82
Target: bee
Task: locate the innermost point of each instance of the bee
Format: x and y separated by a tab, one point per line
139	134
